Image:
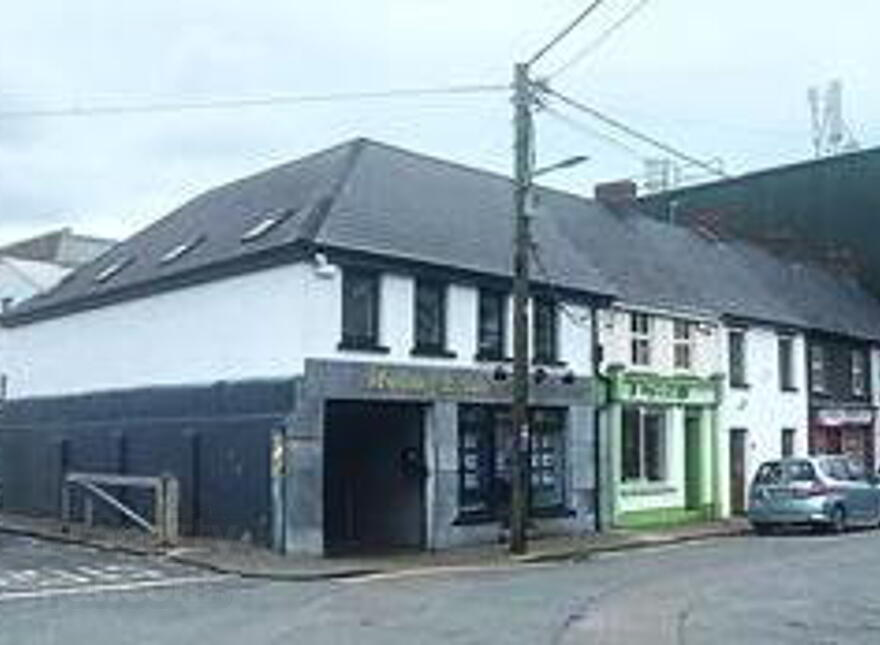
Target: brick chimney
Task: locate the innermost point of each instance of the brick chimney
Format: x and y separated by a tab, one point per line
616	193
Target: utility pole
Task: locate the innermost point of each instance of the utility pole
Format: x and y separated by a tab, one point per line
519	444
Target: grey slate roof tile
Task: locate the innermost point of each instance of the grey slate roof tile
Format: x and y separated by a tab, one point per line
370	197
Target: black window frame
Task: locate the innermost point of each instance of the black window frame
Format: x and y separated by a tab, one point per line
497	352
368	341
425	346
545	331
785	350
736	358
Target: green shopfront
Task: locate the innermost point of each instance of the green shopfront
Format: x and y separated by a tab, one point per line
661	448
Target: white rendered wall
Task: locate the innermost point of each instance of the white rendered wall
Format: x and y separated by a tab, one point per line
615	336
763	408
262	324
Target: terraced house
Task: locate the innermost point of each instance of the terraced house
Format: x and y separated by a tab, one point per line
321	353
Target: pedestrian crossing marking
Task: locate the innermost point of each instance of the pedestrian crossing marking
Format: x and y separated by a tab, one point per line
25	580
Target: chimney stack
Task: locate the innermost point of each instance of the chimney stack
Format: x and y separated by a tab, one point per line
616	193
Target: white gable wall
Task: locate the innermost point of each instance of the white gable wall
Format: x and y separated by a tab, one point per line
261	324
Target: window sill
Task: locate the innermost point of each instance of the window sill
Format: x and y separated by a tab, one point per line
361	346
432	352
474	518
740	386
548	362
790	390
645	489
492	358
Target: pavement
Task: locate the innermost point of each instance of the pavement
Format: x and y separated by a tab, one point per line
248	561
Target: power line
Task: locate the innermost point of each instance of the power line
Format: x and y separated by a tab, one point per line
600	40
220	104
596	114
577	125
586	12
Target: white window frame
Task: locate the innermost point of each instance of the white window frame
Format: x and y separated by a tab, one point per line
858	373
640	327
683	344
818	369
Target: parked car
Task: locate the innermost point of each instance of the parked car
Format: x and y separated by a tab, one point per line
831	492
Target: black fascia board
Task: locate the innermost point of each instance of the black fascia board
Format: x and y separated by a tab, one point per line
275	256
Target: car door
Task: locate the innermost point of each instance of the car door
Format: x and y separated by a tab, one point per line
862	492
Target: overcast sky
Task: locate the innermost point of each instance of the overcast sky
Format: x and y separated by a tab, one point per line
716	79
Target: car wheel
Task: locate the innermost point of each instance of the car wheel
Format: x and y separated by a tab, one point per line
762	528
837	521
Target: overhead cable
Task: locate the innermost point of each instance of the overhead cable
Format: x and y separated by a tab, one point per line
220	104
619	125
559	37
599	41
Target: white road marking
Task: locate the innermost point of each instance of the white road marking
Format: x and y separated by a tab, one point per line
434	571
95	589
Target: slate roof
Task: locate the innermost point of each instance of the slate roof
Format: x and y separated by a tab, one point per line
372	198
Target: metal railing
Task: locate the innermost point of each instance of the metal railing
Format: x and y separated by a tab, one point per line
166	501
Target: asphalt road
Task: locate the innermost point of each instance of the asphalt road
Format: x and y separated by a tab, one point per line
798	589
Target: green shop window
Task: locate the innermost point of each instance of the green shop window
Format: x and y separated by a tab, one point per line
643	445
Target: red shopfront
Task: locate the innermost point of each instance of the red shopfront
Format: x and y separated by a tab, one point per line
844	430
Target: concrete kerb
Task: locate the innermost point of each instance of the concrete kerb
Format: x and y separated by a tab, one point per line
571	554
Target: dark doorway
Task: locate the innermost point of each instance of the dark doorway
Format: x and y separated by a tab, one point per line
738	471
374	472
693	460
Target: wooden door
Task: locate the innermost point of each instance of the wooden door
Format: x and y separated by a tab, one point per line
738	471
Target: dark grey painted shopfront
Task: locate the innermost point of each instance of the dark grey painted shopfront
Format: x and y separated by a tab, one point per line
389	456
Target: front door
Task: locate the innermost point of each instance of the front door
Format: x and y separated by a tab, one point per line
693	471
738	471
374	473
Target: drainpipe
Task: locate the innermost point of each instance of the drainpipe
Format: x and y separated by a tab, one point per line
598	385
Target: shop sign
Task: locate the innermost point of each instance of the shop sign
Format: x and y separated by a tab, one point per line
835	417
665	390
391	380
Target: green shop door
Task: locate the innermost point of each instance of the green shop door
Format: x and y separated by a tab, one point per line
693	454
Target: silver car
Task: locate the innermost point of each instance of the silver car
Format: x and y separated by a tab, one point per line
830	492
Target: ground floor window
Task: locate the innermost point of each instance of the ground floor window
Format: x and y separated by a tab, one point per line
643	444
484	469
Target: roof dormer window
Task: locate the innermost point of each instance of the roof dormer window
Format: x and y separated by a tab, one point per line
111	270
181	249
273	219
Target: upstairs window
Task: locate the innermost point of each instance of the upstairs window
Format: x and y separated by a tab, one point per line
640	343
736	348
683	345
786	363
818	375
491	325
360	309
858	373
546	330
430	318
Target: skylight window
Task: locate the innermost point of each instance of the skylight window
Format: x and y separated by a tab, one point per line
105	274
180	250
273	219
